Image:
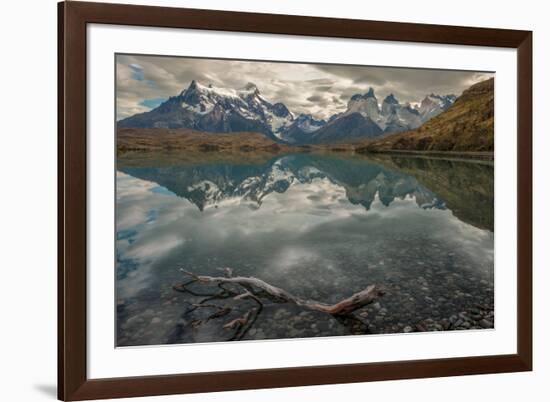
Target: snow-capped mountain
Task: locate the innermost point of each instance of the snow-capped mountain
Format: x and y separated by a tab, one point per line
393	116
300	130
365	118
366	104
215	109
399	117
308	124
433	104
389	105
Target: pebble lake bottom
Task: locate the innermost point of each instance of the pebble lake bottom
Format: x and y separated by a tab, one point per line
321	227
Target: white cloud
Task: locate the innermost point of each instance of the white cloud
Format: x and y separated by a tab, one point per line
321	90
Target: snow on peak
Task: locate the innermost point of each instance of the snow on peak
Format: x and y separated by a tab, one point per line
211	107
432	105
441	101
366	104
210	90
247	102
308	124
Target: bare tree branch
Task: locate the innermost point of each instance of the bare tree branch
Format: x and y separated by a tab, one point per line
255	289
343	307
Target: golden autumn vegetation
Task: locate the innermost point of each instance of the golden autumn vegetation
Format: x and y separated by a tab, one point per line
467	126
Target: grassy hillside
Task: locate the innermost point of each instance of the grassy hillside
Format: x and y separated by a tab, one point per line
467	126
156	139
185	141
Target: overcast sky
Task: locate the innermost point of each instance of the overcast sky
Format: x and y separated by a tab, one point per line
143	82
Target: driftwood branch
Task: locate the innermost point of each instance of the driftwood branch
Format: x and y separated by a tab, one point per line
343	307
244	323
251	288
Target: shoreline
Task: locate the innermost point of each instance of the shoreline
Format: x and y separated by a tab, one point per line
255	145
259	154
467	156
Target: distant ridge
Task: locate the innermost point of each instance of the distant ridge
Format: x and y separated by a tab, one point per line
467	126
214	109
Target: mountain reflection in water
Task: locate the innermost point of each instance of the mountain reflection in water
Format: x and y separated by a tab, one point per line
321	226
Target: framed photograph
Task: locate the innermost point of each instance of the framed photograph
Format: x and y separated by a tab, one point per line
253	200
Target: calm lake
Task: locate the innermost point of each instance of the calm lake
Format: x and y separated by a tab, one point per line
319	226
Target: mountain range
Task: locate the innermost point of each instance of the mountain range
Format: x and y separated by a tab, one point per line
467	125
225	110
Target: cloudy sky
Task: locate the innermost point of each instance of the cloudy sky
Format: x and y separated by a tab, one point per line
143	82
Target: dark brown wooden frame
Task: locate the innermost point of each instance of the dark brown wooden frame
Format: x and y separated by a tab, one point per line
73	17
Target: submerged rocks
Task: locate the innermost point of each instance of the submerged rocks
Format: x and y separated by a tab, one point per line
437	295
486	323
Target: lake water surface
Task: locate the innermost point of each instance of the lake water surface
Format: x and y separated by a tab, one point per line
319	226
